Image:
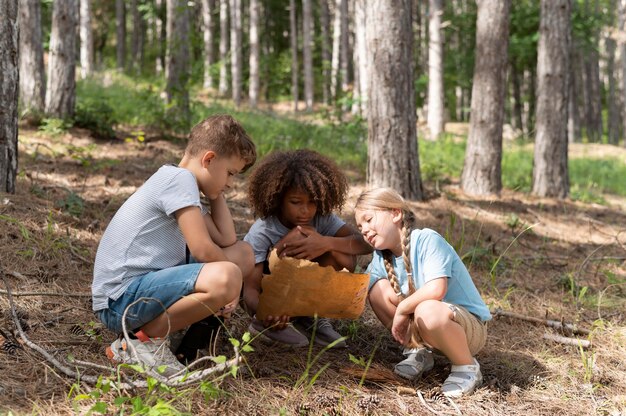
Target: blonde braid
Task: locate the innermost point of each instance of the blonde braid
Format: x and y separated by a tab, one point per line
408	220
391	273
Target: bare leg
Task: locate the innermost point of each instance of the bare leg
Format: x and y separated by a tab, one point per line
384	301
217	284
438	329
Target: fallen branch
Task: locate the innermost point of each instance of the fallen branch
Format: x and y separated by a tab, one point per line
577	342
65	295
547	322
177	380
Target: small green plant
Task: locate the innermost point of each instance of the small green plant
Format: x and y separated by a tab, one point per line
54	126
95	115
589	361
82	154
492	272
136	136
72	204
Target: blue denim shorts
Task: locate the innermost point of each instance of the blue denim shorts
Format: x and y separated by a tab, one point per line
163	287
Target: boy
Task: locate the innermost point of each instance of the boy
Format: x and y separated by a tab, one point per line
145	250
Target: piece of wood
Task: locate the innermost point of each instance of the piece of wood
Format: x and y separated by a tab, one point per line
577	342
547	322
303	288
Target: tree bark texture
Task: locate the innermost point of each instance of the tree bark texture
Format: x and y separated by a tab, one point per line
435	70
293	37
392	140
177	60
9	87
483	156
235	50
120	24
159	28
622	27
326	50
593	93
61	92
223	84
86	39
32	75
613	116
255	85
208	7
337	43
573	115
307	52
550	176
137	39
361	62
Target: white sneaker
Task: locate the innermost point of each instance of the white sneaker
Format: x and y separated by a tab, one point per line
153	353
417	362
463	380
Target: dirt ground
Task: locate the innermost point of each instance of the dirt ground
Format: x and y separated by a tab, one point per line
541	258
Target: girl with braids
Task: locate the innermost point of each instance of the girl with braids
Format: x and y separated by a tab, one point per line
421	290
294	194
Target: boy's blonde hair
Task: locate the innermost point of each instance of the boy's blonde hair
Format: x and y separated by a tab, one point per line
387	199
225	136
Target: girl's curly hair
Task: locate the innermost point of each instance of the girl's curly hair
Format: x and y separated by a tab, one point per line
305	170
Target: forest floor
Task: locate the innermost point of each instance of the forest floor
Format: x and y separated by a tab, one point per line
558	260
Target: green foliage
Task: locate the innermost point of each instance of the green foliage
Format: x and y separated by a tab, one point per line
72	204
96	116
441	159
54	126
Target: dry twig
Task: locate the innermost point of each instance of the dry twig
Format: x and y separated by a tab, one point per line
577	342
547	322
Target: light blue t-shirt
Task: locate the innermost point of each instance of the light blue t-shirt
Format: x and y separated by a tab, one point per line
265	232
144	236
432	258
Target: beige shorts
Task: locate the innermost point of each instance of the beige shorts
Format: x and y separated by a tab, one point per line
475	329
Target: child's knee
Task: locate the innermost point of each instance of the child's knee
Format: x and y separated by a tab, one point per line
428	315
223	279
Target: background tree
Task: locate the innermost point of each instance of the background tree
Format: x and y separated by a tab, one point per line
483	157
235	50
361	62
32	79
86	39
435	70
61	91
208	8
293	38
326	50
392	139
120	24
9	86
223	83
177	62
254	87
550	174
137	36
307	52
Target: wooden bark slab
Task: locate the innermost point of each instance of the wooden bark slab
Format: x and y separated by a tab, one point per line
303	288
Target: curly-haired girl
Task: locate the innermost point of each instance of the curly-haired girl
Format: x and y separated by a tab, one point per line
421	290
294	194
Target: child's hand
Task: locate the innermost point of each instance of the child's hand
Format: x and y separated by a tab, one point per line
310	247
228	309
292	236
400	327
276	322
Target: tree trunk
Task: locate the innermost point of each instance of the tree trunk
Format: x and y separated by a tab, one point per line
223	84
120	23
86	39
9	87
573	114
435	70
593	98
613	117
177	62
159	17
622	28
208	7
326	51
516	118
255	85
235	50
137	40
61	92
32	79
345	59
483	156
550	176
336	56
307	52
360	47
293	37
392	140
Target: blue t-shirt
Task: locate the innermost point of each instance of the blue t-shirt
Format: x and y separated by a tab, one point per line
265	232
432	258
